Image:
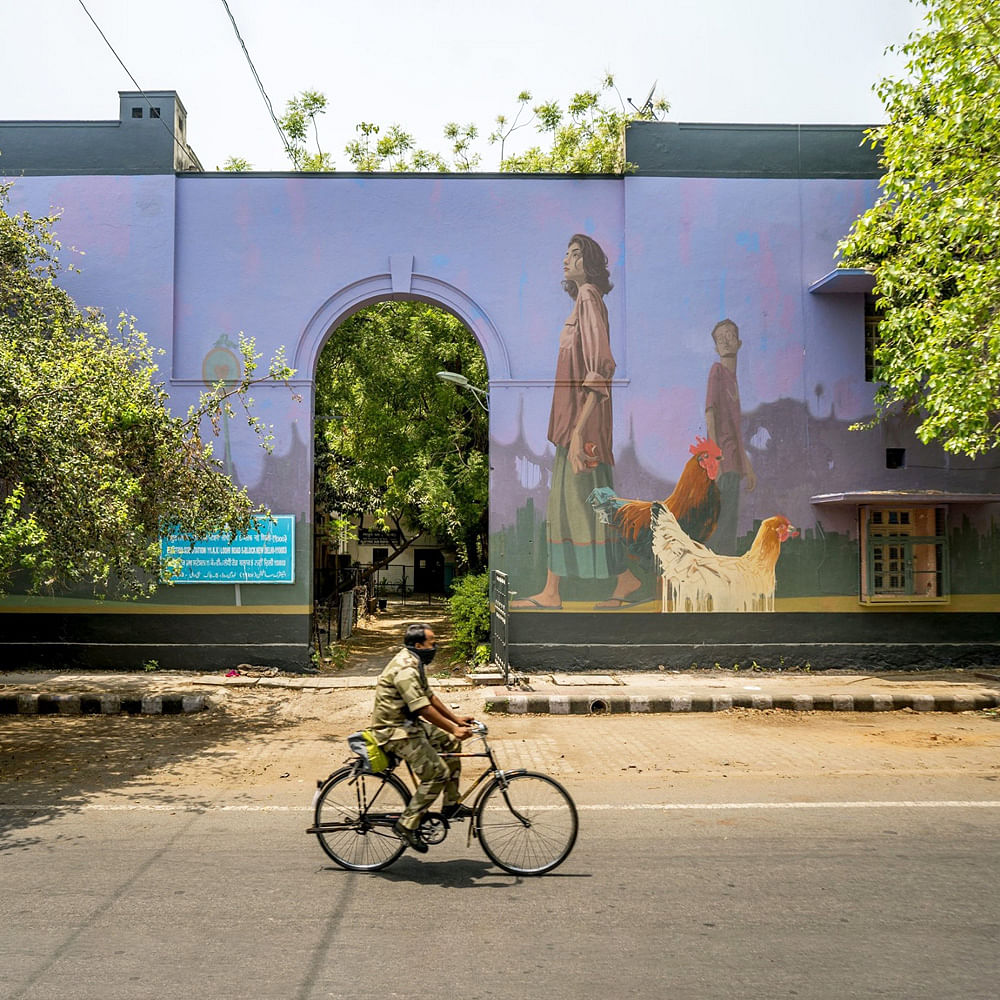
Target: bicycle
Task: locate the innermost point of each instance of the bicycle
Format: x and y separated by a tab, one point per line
526	822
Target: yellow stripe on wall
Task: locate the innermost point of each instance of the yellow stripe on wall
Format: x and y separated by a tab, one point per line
816	605
840	605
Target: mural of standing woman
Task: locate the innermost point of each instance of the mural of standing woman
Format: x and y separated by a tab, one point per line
579	544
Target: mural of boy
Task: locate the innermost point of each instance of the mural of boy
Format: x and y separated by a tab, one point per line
579	544
723	419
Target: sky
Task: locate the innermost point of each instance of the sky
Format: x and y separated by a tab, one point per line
422	64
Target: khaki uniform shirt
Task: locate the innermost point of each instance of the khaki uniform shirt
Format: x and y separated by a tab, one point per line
401	691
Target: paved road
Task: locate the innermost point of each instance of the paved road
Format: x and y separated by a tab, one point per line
734	855
826	901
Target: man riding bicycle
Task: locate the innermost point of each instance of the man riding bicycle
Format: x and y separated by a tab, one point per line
410	721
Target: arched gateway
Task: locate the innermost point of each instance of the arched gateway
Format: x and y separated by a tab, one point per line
399	282
676	337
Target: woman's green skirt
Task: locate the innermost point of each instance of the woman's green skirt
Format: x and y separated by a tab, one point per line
580	544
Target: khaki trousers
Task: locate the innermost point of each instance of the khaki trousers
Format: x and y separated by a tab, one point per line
433	773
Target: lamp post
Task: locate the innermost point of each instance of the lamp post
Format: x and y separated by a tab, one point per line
463	383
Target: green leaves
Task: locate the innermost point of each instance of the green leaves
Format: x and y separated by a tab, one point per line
396	150
933	237
394	440
589	137
300	115
236	165
92	463
470	615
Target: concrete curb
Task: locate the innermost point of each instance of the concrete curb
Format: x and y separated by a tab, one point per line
101	704
619	704
70	695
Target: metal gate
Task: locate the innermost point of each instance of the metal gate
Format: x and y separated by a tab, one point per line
500	624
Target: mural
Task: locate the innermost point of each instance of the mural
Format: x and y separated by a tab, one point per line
580	426
725	426
655	552
658	459
695	502
697	579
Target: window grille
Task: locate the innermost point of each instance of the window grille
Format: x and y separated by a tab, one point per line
905	554
873	317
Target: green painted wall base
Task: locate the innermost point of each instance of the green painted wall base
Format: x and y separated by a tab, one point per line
197	642
847	641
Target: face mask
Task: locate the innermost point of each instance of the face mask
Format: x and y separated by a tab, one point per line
426	655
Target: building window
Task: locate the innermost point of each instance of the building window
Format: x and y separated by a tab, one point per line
872	319
154	112
137	112
904	555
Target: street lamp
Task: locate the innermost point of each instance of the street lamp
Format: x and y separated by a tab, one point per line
463	383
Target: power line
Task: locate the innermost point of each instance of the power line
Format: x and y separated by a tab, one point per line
260	86
135	83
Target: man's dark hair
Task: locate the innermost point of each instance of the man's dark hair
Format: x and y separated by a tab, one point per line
415	633
724	322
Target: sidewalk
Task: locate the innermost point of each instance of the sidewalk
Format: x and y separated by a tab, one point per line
706	691
71	693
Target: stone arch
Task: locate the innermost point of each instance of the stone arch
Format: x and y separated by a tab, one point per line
407	287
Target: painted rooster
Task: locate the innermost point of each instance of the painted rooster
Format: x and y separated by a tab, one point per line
694	501
697	579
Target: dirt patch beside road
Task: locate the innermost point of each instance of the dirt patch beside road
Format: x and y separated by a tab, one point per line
936	738
265	746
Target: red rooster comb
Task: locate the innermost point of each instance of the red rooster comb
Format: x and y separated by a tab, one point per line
708	455
705	446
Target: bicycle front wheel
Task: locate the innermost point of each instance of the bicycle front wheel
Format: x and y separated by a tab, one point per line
526	823
354	818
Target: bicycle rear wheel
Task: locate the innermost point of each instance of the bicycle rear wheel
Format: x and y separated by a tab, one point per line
354	818
527	823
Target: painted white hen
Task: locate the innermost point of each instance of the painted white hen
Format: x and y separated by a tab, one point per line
697	579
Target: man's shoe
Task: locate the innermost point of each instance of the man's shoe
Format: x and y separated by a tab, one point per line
409	837
457	810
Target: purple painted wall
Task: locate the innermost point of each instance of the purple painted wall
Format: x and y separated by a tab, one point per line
285	259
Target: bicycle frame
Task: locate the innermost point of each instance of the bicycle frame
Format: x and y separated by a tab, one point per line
529	839
477	789
369	819
493	772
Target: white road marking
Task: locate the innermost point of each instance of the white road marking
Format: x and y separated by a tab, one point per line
181	807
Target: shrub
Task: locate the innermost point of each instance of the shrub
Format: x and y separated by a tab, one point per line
470	615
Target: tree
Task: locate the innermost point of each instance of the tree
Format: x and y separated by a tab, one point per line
394	150
93	467
932	239
236	165
393	440
588	138
300	113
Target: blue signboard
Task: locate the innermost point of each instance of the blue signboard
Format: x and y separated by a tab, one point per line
265	556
